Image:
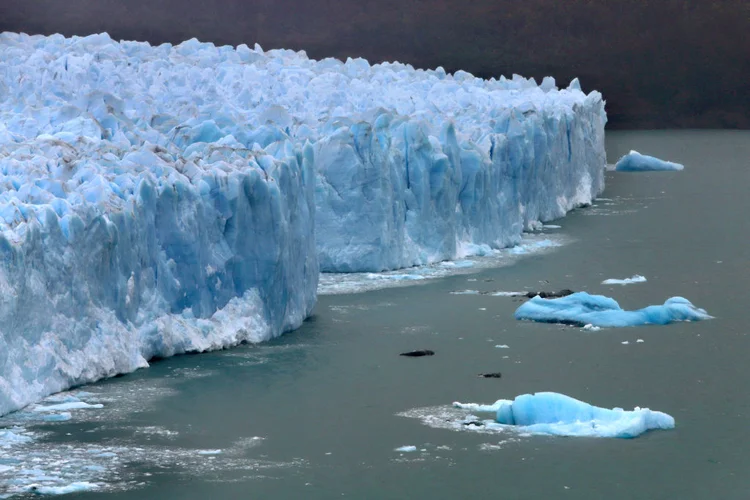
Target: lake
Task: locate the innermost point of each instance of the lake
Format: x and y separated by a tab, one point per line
319	412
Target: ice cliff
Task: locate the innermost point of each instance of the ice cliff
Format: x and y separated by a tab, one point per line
157	200
132	226
447	167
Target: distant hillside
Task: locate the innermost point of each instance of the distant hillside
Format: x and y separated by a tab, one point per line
666	63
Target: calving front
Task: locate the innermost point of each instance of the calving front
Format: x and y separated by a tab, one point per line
160	200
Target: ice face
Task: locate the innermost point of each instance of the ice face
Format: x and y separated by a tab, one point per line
158	200
600	311
561	415
636	162
133	224
474	164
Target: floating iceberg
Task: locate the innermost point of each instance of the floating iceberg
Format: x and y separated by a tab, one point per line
627	281
560	415
166	199
636	162
76	487
406	449
597	310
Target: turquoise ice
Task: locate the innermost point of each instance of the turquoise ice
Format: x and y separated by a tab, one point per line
597	310
637	162
556	414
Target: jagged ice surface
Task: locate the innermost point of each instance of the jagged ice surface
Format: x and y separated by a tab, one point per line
636	278
157	200
131	226
447	164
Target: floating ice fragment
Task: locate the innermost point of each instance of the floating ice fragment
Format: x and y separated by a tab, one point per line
636	162
406	449
73	405
62	490
557	414
627	281
597	310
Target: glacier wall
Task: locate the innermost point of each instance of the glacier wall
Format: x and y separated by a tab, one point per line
158	200
130	229
465	165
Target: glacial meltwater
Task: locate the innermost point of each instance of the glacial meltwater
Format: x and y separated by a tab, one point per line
332	410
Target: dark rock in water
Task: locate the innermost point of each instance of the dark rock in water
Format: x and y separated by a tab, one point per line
417	354
491	375
475	423
550	295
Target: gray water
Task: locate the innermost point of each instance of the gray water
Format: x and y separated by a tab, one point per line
316	414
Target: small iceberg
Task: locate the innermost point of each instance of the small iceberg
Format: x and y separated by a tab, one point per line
581	309
555	414
406	449
636	162
627	281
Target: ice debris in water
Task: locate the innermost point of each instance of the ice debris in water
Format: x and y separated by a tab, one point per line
627	281
406	449
170	199
560	415
62	490
636	162
597	310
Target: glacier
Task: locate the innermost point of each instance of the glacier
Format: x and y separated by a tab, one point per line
556	414
455	164
582	309
131	226
637	162
156	200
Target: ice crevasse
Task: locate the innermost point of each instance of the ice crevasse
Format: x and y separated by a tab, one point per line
163	199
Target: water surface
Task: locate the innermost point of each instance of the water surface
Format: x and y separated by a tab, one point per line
319	412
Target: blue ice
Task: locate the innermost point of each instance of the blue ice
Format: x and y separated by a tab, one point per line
637	162
161	200
560	415
597	310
